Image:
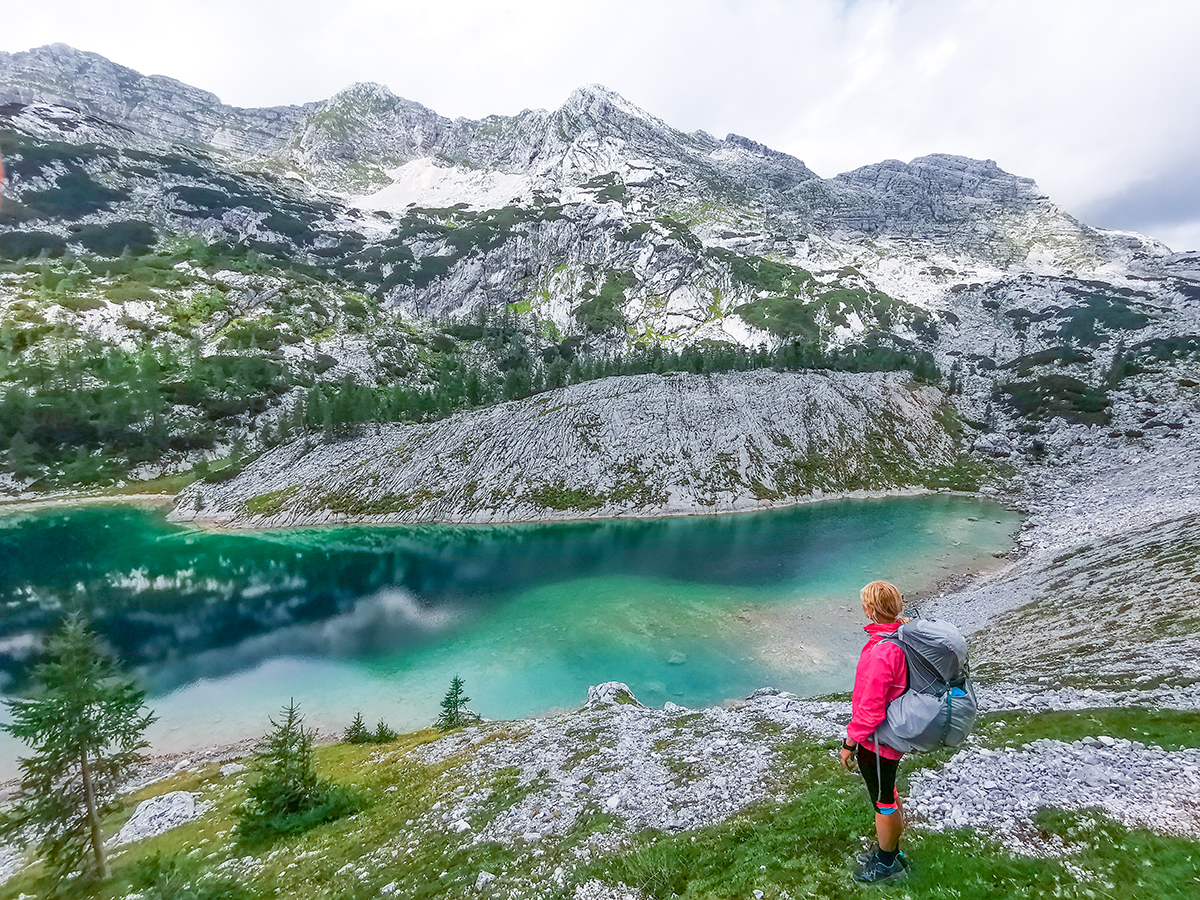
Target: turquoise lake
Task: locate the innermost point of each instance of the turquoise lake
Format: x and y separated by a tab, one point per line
224	627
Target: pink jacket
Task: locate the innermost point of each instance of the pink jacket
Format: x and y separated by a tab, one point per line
881	677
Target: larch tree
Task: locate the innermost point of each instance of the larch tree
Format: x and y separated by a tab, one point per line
85	721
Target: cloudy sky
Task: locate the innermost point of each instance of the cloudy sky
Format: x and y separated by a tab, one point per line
1095	99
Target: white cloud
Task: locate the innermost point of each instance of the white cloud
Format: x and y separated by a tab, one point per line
1087	96
1179	236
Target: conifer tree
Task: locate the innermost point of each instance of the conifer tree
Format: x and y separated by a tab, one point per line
356	732
289	779
85	723
289	797
454	708
383	733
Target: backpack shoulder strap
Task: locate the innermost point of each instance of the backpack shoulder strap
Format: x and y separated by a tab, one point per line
921	672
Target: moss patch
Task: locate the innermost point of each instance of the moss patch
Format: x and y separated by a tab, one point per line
272	502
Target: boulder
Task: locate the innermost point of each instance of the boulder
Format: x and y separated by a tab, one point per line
611	693
484	879
994	444
158	814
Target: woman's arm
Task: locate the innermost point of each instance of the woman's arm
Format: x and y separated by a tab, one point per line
882	680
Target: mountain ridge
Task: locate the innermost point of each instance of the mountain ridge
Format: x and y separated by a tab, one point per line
99	87
366	243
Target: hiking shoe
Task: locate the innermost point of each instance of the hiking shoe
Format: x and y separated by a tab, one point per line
863	856
861	859
875	871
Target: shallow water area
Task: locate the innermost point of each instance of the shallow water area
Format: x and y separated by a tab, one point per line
224	628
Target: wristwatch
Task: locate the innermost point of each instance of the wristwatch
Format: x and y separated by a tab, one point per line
846	745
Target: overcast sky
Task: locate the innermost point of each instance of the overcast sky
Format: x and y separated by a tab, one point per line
1094	99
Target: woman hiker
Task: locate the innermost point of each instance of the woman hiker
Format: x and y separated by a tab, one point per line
880	678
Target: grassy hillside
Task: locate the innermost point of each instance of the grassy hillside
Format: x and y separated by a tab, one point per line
798	840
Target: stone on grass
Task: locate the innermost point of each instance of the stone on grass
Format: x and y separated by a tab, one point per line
158	814
484	879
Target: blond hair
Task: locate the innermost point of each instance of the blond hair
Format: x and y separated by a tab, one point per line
882	601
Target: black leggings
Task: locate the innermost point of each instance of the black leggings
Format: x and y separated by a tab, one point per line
879	773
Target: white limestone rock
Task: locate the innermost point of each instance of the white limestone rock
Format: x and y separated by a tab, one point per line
483	880
11	862
159	814
643	445
611	693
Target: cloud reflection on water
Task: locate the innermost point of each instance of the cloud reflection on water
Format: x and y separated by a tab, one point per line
384	622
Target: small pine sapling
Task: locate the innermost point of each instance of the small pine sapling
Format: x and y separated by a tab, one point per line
289	797
383	734
356	732
454	708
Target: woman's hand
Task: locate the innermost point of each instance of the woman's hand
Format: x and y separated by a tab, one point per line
847	756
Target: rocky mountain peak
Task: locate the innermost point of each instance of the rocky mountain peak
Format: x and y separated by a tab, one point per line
363	92
162	110
597	97
745	143
605	111
945	174
79	79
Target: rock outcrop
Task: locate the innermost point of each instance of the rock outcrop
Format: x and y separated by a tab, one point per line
634	445
158	814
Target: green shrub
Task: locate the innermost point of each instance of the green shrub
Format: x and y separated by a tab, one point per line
383	734
75	195
1104	311
602	311
288	797
356	732
131	290
789	317
1058	395
163	877
118	238
26	244
559	496
633	232
245	334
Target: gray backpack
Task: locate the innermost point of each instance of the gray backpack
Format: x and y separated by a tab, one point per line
938	707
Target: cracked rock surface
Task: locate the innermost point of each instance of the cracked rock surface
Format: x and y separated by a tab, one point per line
159	814
640	445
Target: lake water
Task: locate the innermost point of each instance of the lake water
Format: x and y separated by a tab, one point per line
223	628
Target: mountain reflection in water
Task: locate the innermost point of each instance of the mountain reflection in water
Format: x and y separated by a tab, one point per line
698	608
